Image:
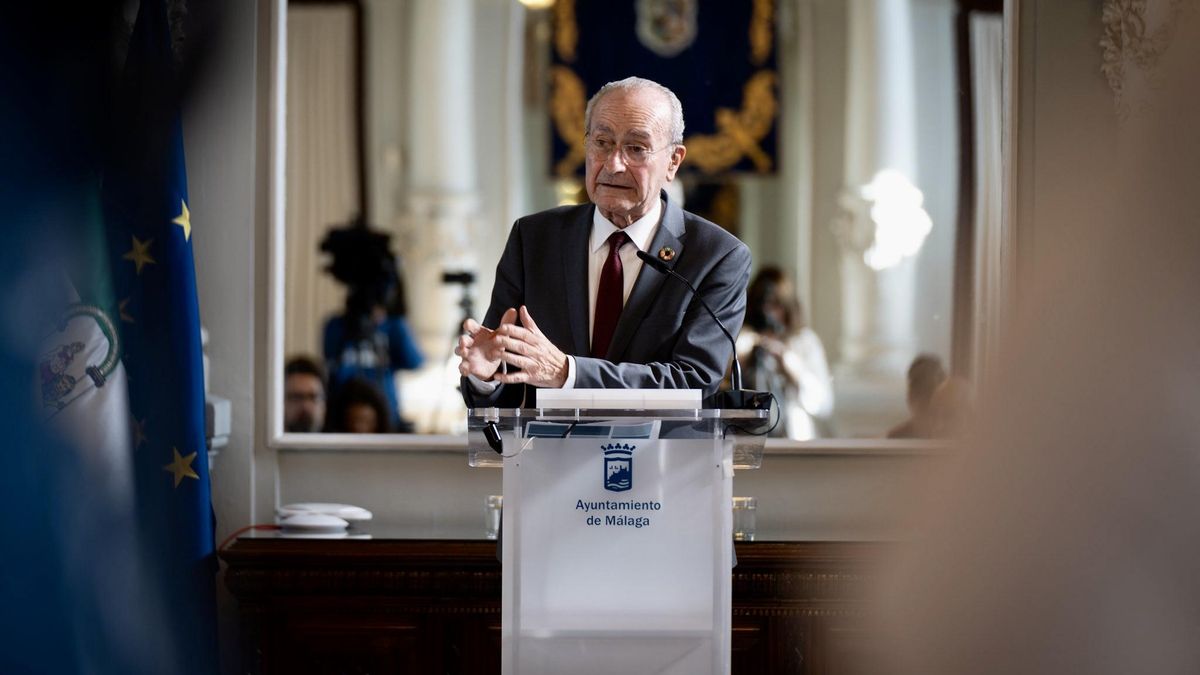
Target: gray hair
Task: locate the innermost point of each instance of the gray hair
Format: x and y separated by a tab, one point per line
633	84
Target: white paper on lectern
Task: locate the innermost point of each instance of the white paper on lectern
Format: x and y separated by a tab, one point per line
619	399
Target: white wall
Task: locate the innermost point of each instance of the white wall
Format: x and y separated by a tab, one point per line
219	139
1067	141
227	191
937	172
829	118
386	95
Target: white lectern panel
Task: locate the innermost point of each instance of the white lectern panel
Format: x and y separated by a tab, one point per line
616	556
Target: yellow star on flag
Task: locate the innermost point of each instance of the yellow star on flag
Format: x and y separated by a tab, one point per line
184	220
137	429
140	254
182	466
121	309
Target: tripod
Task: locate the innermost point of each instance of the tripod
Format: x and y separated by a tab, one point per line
466	303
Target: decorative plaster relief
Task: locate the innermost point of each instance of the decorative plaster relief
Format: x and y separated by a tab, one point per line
1136	34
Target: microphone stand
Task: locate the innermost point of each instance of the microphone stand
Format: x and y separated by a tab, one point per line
736	398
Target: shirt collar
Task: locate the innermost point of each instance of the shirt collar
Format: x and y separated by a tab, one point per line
640	231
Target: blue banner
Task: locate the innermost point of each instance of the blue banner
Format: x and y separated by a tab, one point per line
149	230
718	56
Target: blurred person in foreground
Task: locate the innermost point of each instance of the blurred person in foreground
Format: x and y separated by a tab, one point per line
303	395
782	355
82	589
1064	538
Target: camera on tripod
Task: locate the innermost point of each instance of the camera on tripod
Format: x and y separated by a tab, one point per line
464	277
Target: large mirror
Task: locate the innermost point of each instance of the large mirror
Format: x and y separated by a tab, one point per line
416	132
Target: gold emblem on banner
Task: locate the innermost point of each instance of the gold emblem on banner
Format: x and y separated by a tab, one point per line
666	27
761	33
568	99
739	132
566	32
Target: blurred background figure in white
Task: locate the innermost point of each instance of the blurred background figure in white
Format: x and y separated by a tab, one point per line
782	355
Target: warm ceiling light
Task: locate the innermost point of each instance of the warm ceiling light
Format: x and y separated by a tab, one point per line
538	4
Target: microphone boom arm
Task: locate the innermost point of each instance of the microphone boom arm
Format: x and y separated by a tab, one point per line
735	379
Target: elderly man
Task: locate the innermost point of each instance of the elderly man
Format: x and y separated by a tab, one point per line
601	320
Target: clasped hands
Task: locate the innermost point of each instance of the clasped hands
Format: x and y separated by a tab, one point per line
522	346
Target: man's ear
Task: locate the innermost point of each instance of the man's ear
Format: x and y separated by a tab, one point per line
677	156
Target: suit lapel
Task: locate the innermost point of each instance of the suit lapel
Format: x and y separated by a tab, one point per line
575	279
649	282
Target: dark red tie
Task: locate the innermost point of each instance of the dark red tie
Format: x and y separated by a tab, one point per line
610	297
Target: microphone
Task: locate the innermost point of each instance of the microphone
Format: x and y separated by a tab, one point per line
736	397
491	432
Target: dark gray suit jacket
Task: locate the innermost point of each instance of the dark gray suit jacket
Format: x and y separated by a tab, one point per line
664	339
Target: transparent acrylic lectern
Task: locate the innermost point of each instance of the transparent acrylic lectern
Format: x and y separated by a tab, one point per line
616	536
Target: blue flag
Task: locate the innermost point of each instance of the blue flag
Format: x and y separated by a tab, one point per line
149	238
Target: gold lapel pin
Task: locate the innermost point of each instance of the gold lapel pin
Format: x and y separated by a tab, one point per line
666	254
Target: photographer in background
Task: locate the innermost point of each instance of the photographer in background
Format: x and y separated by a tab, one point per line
370	339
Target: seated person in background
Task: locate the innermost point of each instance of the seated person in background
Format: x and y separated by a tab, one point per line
303	395
925	375
358	407
782	355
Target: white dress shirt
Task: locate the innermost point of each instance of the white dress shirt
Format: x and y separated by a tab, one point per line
641	232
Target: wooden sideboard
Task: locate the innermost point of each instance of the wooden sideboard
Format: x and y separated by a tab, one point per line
412	605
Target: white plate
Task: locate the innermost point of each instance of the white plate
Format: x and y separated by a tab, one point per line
347	512
299	534
313	522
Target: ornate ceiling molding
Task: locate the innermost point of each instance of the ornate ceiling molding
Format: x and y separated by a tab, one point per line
1136	35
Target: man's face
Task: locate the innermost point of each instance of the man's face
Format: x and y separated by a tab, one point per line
640	117
303	403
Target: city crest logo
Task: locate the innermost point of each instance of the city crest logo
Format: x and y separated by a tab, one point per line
618	467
